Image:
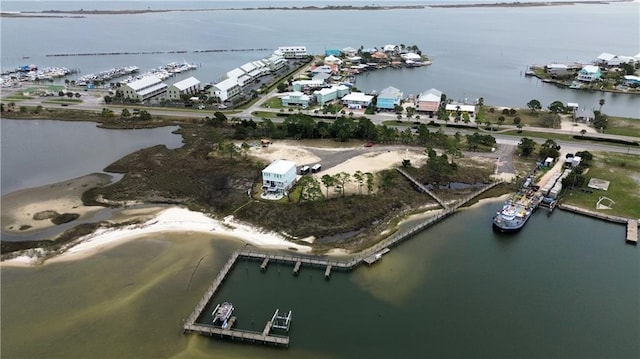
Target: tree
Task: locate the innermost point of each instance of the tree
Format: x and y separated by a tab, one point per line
309	189
282	87
369	176
61	93
501	120
517	120
557	107
600	121
144	115
359	177
69	94
526	146
519	126
534	105
549	149
582	133
125	114
245	147
77	95
341	179
328	181
23	109
601	102
231	149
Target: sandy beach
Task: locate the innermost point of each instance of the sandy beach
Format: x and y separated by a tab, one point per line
32	209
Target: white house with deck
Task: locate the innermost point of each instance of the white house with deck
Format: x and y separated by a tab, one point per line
293	52
144	88
188	86
357	100
429	101
225	89
279	177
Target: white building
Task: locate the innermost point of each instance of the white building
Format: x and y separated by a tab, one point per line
279	177
275	62
455	107
225	89
188	86
293	52
429	101
144	88
357	100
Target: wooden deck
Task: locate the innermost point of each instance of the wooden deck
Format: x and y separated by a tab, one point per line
421	187
632	231
376	256
238	334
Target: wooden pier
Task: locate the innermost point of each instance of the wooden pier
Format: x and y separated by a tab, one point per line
263	266
421	187
632	231
369	256
238	334
327	272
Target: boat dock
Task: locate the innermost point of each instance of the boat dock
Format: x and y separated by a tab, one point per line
369	256
376	256
632	231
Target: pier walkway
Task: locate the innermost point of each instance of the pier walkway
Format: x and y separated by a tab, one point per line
421	187
632	231
632	224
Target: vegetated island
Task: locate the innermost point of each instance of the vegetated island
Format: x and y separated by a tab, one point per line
527	4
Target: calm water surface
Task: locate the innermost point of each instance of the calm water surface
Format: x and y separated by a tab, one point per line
566	287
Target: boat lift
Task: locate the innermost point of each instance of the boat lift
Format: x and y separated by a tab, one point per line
281	321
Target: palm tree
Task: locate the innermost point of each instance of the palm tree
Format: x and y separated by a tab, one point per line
601	102
583	131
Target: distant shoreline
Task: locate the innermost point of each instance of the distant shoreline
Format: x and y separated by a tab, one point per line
81	12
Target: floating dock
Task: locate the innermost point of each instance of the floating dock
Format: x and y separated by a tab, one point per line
632	231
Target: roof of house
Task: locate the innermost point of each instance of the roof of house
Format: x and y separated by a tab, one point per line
573	104
186	83
632	78
557	66
226	84
358	96
332	59
590	69
151	89
248	67
463	108
325	91
235	73
144	82
349	49
389	48
605	56
430	95
390	92
410	56
280	167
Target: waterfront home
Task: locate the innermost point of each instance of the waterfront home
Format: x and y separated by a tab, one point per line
584	115
349	51
279	177
188	86
302	85
461	108
329	94
144	88
332	60
411	56
610	60
296	98
429	101
322	77
390	48
354	59
589	73
292	52
357	100
558	70
631	80
327	69
389	98
379	56
225	90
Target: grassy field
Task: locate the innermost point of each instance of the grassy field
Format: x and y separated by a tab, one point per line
63	100
15	97
623	173
273	102
624	126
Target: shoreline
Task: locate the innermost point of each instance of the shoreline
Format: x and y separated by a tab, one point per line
173	219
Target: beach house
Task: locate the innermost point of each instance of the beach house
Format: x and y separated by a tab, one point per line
279	177
296	98
225	89
357	100
389	98
329	94
429	101
589	73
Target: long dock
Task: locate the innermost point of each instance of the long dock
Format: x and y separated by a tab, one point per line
296	268
239	334
632	231
421	187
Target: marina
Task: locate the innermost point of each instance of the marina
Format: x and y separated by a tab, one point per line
106	75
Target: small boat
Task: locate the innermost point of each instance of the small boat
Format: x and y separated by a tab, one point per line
222	313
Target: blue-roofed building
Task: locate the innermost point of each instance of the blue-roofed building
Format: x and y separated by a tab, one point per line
389	98
332	52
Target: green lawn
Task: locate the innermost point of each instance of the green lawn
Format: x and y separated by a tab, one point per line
63	100
265	114
624	126
16	97
273	102
623	172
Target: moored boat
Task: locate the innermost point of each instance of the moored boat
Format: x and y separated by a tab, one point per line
516	211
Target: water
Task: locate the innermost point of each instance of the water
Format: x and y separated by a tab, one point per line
477	52
566	286
40	152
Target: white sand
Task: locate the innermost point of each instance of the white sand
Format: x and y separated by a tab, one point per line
566	124
299	155
174	219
